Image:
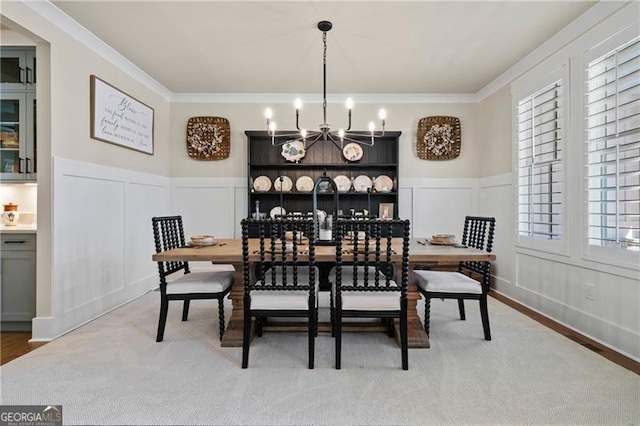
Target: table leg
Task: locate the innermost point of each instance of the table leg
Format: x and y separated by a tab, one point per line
233	334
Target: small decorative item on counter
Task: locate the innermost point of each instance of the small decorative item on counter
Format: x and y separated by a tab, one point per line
208	138
439	138
10	215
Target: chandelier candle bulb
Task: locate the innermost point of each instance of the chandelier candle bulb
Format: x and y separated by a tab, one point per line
349	103
298	103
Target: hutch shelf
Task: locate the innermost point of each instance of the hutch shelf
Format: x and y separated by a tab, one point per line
322	157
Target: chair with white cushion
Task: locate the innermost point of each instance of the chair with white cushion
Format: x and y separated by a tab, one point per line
478	233
280	276
168	233
364	284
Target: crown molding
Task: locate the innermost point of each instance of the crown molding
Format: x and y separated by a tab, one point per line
591	17
286	98
575	29
64	22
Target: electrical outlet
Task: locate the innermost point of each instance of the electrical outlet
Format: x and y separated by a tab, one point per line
107	276
589	291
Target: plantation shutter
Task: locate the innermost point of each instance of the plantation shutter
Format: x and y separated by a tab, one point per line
612	111
540	119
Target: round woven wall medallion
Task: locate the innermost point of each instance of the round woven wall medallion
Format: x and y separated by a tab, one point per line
439	138
208	138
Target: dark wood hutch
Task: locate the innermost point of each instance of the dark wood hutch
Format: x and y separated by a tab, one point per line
265	159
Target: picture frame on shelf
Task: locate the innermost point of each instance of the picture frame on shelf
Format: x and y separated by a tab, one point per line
386	211
8	166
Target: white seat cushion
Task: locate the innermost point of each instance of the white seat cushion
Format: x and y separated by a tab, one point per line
201	282
447	282
369	300
285	299
347	275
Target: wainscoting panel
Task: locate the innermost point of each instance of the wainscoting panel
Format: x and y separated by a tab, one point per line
440	209
496	200
608	313
102	241
89	224
208	206
143	201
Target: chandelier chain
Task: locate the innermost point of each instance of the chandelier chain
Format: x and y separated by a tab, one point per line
324	64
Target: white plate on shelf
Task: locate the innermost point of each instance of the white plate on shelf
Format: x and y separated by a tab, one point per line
277	211
285	185
343	183
293	151
352	151
383	183
304	184
362	183
261	184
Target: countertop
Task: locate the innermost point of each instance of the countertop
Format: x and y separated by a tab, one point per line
18	229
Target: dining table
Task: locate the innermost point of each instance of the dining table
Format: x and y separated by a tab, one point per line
422	254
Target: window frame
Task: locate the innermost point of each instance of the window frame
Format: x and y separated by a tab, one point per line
607	255
521	89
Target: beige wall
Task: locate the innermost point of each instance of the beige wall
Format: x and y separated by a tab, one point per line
400	117
494	118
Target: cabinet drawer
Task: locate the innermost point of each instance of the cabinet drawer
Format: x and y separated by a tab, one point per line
18	242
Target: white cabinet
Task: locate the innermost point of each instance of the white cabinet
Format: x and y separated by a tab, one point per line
18	146
18	68
18	275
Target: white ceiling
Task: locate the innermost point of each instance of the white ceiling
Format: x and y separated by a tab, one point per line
388	47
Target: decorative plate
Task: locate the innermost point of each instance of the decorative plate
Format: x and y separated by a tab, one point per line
261	184
362	183
343	183
439	138
277	211
352	151
383	183
304	184
208	138
285	185
293	151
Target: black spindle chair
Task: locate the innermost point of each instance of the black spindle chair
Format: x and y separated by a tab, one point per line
168	233
364	284
478	233
280	275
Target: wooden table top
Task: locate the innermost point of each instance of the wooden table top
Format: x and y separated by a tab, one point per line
230	251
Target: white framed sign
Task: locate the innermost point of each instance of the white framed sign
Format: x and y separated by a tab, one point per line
119	118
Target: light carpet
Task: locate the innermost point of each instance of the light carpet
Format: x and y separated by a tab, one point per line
111	371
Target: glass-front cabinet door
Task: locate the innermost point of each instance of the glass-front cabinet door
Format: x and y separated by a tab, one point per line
17	68
17	137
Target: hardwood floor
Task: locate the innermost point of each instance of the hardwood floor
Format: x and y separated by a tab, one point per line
15	344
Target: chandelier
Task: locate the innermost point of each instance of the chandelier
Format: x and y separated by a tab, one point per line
309	137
